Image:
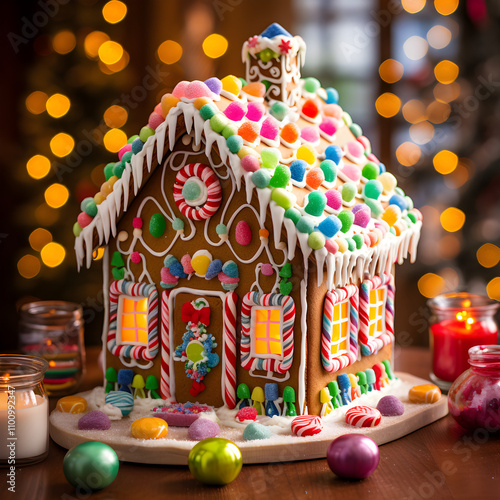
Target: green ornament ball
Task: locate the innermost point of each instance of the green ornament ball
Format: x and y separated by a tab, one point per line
215	461
91	466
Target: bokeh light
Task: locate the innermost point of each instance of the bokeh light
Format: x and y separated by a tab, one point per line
53	254
35	102
414	111
62	144
452	219
58	105
415	47
39	238
115	116
38	166
114	139
215	45
459	176
45	215
446	7
56	195
438	112
446	72
439	37
422	132
28	266
447	93
93	42
413	6
488	255
449	246
114	11
109	69
64	42
169	52
391	71
430	285
408	154
110	52
388	104
445	161
493	288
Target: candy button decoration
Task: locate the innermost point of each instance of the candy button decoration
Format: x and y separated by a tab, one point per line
353	456
255	431
306	425
243	233
363	416
390	406
124	401
215	461
91	466
200	262
194	192
157	225
203	428
149	428
72	404
426	393
94	420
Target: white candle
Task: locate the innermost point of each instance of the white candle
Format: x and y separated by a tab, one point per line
24	420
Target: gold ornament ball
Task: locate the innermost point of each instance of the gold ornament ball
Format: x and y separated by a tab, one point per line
215	461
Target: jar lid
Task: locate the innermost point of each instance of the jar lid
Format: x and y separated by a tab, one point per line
51	312
458	301
21	370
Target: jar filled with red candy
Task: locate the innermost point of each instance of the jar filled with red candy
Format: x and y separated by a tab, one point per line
474	397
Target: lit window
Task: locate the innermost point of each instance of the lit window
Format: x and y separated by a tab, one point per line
377	309
133	320
267	337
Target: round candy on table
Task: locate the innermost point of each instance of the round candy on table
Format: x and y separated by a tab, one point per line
203	428
149	428
215	461
254	431
246	413
363	416
95	419
122	400
91	466
353	456
390	406
426	393
72	404
306	425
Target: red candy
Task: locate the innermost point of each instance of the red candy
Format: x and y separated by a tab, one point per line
310	109
306	425
246	413
249	131
84	219
363	416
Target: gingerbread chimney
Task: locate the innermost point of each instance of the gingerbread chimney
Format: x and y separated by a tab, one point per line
275	57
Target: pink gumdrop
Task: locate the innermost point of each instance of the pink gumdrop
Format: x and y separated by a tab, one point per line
329	125
371	157
135	257
310	134
360	206
243	233
352	172
186	264
84	219
167	277
197	89
333	199
224	278
155	120
180	89
255	111
354	149
331	246
270	128
267	269
123	150
250	163
137	223
235	111
333	110
361	218
159	110
364	142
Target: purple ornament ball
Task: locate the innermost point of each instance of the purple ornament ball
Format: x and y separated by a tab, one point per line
353	456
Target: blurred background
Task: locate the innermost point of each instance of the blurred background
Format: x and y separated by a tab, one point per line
422	78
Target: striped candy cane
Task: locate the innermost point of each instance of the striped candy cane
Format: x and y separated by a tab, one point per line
333	363
230	302
212	184
165	346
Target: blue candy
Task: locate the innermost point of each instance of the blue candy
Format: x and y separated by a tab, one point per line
254	431
177	270
298	170
330	226
137	146
271	391
382	168
345	388
230	269
214	268
125	377
334	153
398	200
273	30
332	96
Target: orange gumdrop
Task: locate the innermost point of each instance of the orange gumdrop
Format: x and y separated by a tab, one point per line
290	133
112	180
249	131
310	109
201	101
168	101
99	198
315	177
333	110
106	189
256	89
263	233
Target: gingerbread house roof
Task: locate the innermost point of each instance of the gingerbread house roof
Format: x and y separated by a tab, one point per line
287	142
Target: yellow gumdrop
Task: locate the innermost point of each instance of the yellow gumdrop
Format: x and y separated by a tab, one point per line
149	428
391	215
106	189
112	180
245	150
168	101
306	153
72	404
99	198
342	244
200	264
324	396
201	101
388	181
231	84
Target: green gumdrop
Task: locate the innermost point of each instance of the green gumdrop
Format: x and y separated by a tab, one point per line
178	224
145	133
375	207
191	191
311	84
117	259
305	224
281	177
243	392
329	170
229	130
131	139
289	394
316	203
157	225
127	157
118	273
351	244
373	189
218	122
279	110
77	229
412	217
118	169
347	118
347	218
370	171
108	170
270	157
266	55
89	206
316	240
283	198
293	214
207	111
267	84
356	130
261	178
286	270
358	239
285	287
234	143
221	229
349	190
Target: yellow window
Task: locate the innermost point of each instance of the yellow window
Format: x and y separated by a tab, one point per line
335	332
340	328
267	332
376	312
133	320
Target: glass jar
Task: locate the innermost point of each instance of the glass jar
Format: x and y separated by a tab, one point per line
459	321
24	410
53	330
474	397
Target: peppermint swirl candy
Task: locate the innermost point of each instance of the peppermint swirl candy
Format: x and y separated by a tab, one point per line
363	416
307	425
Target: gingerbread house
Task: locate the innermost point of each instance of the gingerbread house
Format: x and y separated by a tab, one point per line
250	240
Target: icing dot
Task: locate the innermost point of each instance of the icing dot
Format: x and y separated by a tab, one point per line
122	236
315	177
329	170
243	233
279	110
249	131
135	257
310	109
330	226
298	170
346	217
178	224
316	240
370	171
137	233
270	157
267	269
255	111
281	177
251	164
261	178
333	199
290	133
334	153
234	143
235	111
231	84
316	203
270	128
137	222
283	198
373	189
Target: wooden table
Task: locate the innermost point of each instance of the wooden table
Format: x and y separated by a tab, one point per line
439	461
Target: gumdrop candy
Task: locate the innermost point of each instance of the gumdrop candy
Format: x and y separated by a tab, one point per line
251	164
269	128
329	170
281	177
362	218
334	153
203	428
316	203
329	126
332	95
346	218
94	420
214	84
270	157
370	171
168	101
279	110
235	111
283	198
255	89
290	133
310	134
333	199
155	120
214	268
246	413
186	264
230	268
392	214
315	177
231	84
330	226
234	143
267	269
254	431
180	89
333	110
249	131
243	233
310	109
298	170
373	189
398	200
197	89
349	191
307	153
255	111
316	240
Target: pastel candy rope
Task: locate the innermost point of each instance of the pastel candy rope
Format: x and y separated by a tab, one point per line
363	416
306	425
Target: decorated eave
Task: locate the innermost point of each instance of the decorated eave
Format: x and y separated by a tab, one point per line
308	165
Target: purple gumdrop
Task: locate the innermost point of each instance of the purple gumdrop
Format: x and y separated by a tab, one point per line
353	456
203	428
94	420
214	84
390	406
361	218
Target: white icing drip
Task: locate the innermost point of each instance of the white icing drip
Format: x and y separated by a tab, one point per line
126	183
277	216
291	234
320	256
160	140
264	196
